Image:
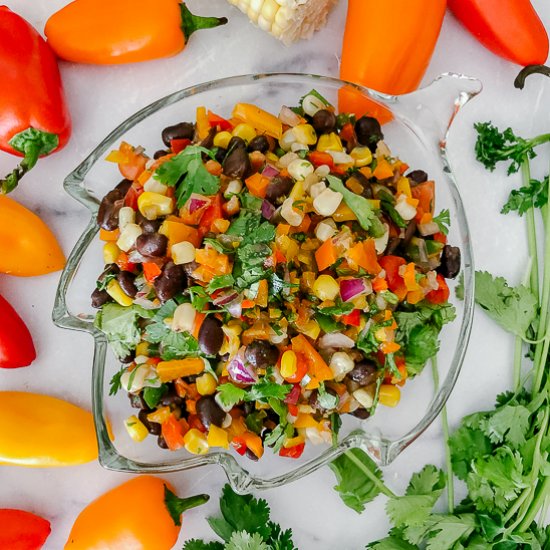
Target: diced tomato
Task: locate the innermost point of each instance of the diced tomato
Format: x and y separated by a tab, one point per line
424	193
178	145
194	422
132	195
293	452
347	132
211	214
391	265
441	295
293	410
440	238
353	318
217	121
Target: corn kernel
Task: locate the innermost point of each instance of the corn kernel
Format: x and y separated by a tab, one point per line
135	428
289	363
160	415
389	395
305	134
110	253
329	142
126	215
183	253
326	287
327	202
183	318
361	155
217	437
128	236
311	104
195	442
152	205
324	231
364	397
299	169
286	141
154	186
244	131
114	290
290	214
222	139
142	349
206	384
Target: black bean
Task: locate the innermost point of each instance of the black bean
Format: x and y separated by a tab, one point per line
208	141
159	154
220	154
148	226
152	244
368	132
153	428
261	354
137	401
278	187
236	142
417	176
248	408
126	280
128	358
409	232
249	454
161	442
209	411
170	282
236	163
190	267
99	298
450	262
361	413
182	130
124	186
107	215
363	373
110	269
324	121
171	399
259	143
211	336
393	245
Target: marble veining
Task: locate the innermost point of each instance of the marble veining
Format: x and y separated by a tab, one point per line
102	97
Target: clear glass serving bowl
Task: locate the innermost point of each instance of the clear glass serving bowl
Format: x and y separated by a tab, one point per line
417	134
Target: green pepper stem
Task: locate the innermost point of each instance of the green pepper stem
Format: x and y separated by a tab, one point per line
191	23
176	505
33	144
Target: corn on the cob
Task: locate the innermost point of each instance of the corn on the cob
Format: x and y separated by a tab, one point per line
287	20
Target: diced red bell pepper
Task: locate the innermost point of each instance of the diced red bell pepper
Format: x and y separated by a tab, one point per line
391	265
151	271
178	145
440	238
217	121
292	452
131	198
239	444
318	158
353	318
293	395
173	431
441	295
124	263
212	213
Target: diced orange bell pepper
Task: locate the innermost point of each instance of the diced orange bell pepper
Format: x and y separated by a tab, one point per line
262	297
383	169
210	258
151	271
173	430
177	232
425	193
254	443
305	420
325	255
409	277
257	185
379	284
109	236
203	126
213	213
262	121
123	261
364	255
179	368
319	158
318	370
389	347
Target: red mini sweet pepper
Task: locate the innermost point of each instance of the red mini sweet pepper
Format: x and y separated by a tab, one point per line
34	119
509	28
16	345
20	530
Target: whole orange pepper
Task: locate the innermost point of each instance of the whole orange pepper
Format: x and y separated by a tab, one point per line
387	47
142	513
28	246
105	32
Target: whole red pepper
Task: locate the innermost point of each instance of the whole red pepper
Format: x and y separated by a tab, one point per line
34	119
509	28
20	530
16	345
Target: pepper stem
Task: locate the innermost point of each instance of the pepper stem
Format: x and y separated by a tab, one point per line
176	505
519	82
33	144
191	23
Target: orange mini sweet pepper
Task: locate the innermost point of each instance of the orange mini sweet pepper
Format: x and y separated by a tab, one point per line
28	246
106	32
142	513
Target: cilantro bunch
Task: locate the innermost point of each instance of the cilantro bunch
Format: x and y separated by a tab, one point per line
245	525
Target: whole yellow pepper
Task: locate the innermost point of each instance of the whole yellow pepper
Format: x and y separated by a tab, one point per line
40	431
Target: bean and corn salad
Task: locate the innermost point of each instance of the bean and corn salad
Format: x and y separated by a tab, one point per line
266	275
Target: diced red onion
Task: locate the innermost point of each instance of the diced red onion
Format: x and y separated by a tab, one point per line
136	258
336	340
240	372
270	171
235	308
196	202
288	116
426	229
350	288
225	297
267	210
144	303
293	395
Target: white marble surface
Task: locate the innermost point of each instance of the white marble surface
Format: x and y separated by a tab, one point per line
100	98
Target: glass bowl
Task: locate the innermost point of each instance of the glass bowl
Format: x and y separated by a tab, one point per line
417	134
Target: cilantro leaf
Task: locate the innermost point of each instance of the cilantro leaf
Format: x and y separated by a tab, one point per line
116	383
279	539
446	530
509	424
264	390
189	166
361	207
513	308
326	399
244	541
443	220
195	544
340	308
229	394
354	471
391	543
119	324
220	281
466	444
534	194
